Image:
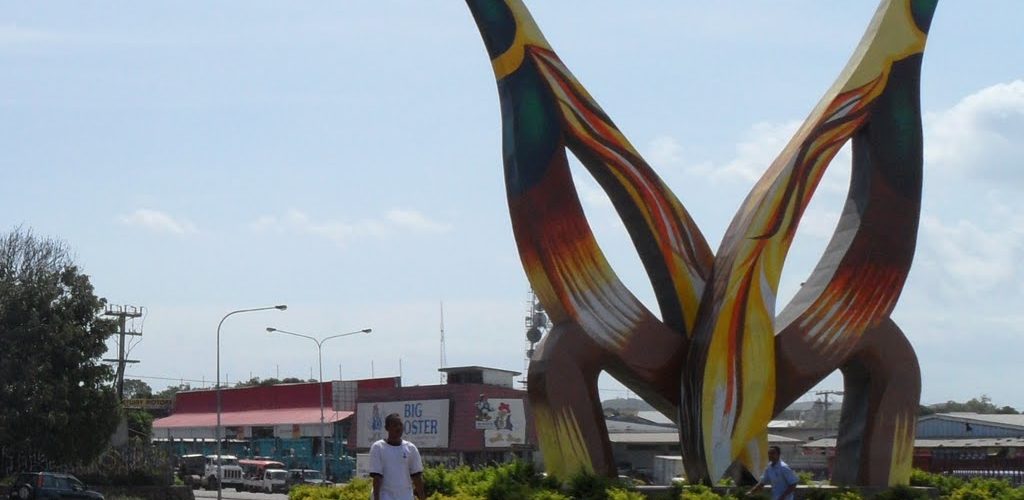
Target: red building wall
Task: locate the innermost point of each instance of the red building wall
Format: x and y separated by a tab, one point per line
269	397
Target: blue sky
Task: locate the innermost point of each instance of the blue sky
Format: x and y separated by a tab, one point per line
344	158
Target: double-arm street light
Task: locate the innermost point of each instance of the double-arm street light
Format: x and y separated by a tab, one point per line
320	356
217	433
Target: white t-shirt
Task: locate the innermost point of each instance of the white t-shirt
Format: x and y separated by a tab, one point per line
395	464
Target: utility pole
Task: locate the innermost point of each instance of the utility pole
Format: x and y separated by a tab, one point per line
825	394
122	313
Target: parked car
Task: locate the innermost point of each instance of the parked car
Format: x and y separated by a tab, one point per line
306	476
40	485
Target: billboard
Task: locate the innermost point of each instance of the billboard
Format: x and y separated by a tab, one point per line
502	420
426	422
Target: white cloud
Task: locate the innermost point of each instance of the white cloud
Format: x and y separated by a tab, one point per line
157	221
395	221
819	224
415	221
664	151
968	258
754	154
980	135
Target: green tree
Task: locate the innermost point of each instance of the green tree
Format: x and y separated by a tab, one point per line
140	424
982	404
170	391
137	389
56	397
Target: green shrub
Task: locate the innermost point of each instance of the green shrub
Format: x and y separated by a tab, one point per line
698	492
804	478
438	480
847	495
623	494
902	492
983	489
945	484
356	489
513	480
831	494
548	494
456	496
584	486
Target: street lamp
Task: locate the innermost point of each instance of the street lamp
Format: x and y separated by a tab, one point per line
217	433
320	356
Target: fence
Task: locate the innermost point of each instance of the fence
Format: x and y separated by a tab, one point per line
1010	469
134	462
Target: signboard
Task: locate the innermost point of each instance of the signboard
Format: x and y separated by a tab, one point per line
426	422
502	420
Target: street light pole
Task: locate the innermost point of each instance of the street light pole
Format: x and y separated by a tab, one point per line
320	357
217	432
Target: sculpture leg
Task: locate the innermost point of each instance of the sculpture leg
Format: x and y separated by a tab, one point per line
566	407
882	390
876	430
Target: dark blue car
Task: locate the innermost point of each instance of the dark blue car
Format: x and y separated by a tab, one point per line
45	485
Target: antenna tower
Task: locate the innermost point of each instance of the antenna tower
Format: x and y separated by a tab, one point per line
537	325
444	357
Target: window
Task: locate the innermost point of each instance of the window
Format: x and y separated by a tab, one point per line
263	432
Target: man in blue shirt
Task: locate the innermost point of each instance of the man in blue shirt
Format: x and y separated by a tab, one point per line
781	478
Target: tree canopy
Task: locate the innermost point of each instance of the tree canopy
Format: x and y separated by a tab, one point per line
56	395
982	404
137	389
256	381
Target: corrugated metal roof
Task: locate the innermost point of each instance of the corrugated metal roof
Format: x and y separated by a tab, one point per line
940	443
1016	421
784	424
655	417
671	438
278	416
637	428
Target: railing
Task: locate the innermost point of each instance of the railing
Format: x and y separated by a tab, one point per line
1010	469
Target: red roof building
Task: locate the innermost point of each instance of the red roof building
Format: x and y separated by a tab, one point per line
284	410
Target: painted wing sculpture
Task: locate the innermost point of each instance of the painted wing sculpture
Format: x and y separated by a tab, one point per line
719	361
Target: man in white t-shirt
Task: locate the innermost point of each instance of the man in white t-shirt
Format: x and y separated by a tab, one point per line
395	465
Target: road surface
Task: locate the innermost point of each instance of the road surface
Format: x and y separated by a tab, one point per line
231	494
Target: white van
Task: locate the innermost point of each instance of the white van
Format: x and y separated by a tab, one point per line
273	481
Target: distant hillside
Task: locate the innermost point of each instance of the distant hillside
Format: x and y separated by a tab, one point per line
630	404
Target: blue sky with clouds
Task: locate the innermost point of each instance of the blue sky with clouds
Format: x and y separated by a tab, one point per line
344	158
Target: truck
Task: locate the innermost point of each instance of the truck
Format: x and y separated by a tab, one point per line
230	473
268	476
191	469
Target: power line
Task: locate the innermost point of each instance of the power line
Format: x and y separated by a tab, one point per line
173	379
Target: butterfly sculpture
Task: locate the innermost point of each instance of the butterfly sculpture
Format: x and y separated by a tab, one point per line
719	360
